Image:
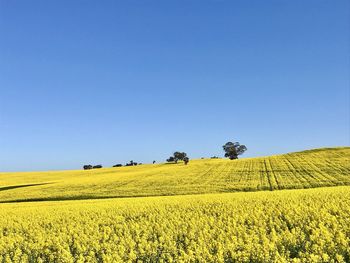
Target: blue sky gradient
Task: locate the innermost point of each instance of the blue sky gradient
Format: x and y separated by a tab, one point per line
105	82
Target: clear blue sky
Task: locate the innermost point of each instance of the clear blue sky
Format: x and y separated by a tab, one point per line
105	82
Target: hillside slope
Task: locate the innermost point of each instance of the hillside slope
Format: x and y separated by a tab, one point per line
307	169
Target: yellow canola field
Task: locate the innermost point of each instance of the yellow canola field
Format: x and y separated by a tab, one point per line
308	169
309	225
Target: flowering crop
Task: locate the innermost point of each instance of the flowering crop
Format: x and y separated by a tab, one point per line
308	169
310	225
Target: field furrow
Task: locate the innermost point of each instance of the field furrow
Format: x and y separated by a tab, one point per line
308	169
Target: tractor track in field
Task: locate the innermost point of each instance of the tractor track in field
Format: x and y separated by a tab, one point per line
274	175
308	169
297	175
268	176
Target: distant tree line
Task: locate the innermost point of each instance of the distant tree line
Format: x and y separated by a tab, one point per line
131	163
178	156
88	167
232	151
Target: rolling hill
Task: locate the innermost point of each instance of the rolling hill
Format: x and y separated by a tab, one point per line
217	223
306	169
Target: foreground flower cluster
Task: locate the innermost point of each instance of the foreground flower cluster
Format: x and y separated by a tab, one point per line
286	226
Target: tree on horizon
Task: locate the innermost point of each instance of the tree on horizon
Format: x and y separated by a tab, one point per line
232	150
